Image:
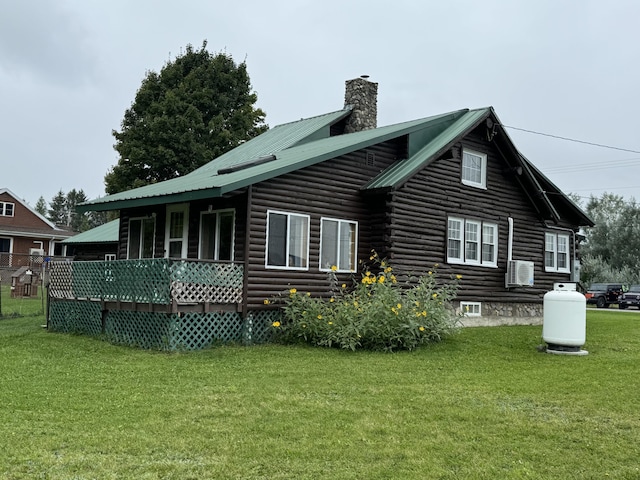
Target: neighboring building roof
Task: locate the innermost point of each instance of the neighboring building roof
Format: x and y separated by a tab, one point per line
26	205
106	233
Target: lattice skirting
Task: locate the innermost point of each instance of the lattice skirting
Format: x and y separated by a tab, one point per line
161	331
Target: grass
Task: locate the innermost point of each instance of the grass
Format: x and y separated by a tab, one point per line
20	306
482	405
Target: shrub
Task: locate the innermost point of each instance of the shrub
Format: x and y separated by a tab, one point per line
376	313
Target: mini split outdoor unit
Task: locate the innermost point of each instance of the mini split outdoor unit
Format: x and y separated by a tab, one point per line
519	274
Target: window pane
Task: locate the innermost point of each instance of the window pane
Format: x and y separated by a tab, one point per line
489	244
454	243
550	250
347	245
472	168
329	254
276	243
297	241
225	240
471	241
147	237
8	209
176	225
135	236
208	236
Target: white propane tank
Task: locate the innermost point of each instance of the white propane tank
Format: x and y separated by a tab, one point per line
565	320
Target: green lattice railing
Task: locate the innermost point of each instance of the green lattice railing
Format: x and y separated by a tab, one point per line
159	281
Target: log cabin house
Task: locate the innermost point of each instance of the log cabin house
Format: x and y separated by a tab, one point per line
199	254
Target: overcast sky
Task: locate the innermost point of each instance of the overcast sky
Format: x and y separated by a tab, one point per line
70	68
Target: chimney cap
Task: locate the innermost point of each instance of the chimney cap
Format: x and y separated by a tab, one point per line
364	76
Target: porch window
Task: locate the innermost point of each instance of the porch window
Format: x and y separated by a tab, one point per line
472	242
471	309
338	244
6	209
141	237
216	235
177	230
556	252
287	240
474	169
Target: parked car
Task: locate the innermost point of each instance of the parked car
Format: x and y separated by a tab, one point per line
630	298
604	294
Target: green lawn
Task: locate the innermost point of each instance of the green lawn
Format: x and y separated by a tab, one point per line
482	405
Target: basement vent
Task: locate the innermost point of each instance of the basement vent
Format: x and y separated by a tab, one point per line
370	159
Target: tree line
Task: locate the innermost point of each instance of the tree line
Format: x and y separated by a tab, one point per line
61	211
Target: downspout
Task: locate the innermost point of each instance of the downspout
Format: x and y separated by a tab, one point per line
510	241
573	248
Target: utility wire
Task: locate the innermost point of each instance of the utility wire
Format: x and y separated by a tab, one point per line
572	139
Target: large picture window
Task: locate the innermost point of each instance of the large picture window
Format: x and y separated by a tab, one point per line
287	240
556	252
141	237
472	242
216	235
474	169
338	244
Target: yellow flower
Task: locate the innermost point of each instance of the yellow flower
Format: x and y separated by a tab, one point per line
458	277
266	301
293	291
331	300
367	273
304	325
399	306
319	317
430	272
435	295
421	328
424	313
330	323
383	264
381	280
371	257
334	268
387	270
393	279
355	303
276	324
308	294
344	285
417	304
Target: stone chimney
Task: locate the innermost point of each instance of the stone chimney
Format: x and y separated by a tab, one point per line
362	95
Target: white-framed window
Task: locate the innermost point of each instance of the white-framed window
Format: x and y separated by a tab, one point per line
109	257
6	209
141	237
474	169
217	229
556	252
472	242
471	309
287	241
338	244
177	230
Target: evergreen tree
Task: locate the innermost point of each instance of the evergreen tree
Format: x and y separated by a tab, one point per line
198	107
41	206
58	212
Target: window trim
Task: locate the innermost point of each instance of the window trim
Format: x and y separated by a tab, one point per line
3	209
266	245
171	208
479	242
355	247
472	306
216	253
483	170
555	245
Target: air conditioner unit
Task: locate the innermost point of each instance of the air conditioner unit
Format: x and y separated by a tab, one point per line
519	274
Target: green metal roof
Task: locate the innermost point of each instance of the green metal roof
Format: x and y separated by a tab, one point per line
294	153
436	144
107	233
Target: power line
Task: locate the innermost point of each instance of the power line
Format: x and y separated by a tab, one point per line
572	139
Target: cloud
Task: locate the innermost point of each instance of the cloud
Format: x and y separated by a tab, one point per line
42	41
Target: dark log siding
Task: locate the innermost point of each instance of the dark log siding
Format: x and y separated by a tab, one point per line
329	189
418	226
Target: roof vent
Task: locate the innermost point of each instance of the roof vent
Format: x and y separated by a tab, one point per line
244	165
